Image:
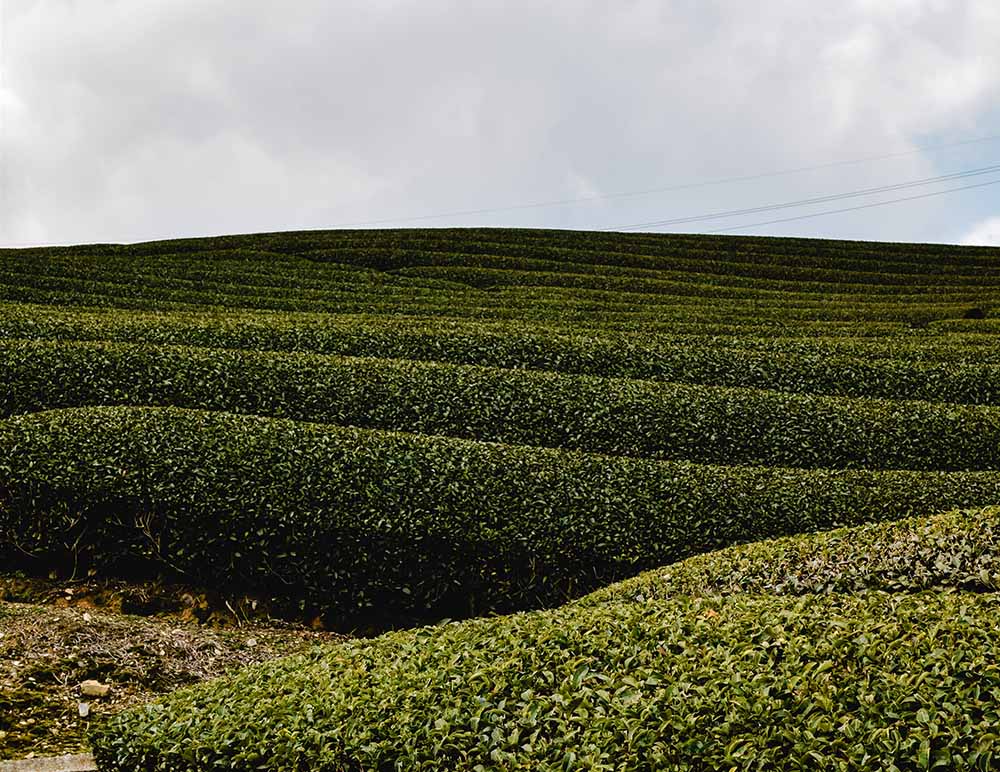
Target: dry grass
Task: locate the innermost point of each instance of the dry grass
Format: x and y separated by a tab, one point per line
48	647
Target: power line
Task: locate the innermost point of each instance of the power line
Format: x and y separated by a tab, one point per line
725	214
671	188
856	208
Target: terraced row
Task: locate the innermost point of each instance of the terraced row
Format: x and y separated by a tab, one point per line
959	368
600	415
348	519
706	669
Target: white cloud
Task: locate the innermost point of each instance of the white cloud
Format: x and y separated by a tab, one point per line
984	234
158	117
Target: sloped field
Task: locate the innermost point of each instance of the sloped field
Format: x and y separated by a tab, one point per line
805	657
391	426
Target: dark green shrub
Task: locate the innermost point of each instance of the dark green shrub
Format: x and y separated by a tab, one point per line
958	550
396	524
613	416
860	682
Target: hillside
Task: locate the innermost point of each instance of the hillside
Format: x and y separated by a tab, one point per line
698	667
385	428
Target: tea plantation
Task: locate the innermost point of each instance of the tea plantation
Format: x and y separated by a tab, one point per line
387	428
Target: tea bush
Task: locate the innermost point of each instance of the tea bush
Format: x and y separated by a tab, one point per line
869	680
350	520
499	420
612	416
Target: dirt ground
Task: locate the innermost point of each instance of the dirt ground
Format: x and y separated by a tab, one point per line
54	636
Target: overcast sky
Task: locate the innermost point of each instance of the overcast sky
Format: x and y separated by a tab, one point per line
127	120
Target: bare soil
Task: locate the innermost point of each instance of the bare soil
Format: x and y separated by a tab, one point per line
54	636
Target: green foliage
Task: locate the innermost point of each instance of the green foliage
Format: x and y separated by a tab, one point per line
858	361
497	274
491	419
351	519
612	416
862	682
959	549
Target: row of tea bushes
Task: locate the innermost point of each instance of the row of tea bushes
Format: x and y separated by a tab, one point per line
957	550
965	375
345	520
613	416
540	345
676	680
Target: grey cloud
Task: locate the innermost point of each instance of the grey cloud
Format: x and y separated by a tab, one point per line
156	118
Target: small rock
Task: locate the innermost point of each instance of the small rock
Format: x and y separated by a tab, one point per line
86	617
251	642
92	688
83	709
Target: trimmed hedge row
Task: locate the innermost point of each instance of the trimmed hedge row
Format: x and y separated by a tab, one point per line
972	341
309	331
792	366
600	415
958	550
553	305
369	334
328	270
347	520
864	682
654	250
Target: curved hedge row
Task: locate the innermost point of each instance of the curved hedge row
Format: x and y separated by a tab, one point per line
349	519
860	682
612	416
958	550
411	338
249	281
793	368
90	321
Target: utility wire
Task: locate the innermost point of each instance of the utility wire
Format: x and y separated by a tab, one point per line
816	200
856	208
670	188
